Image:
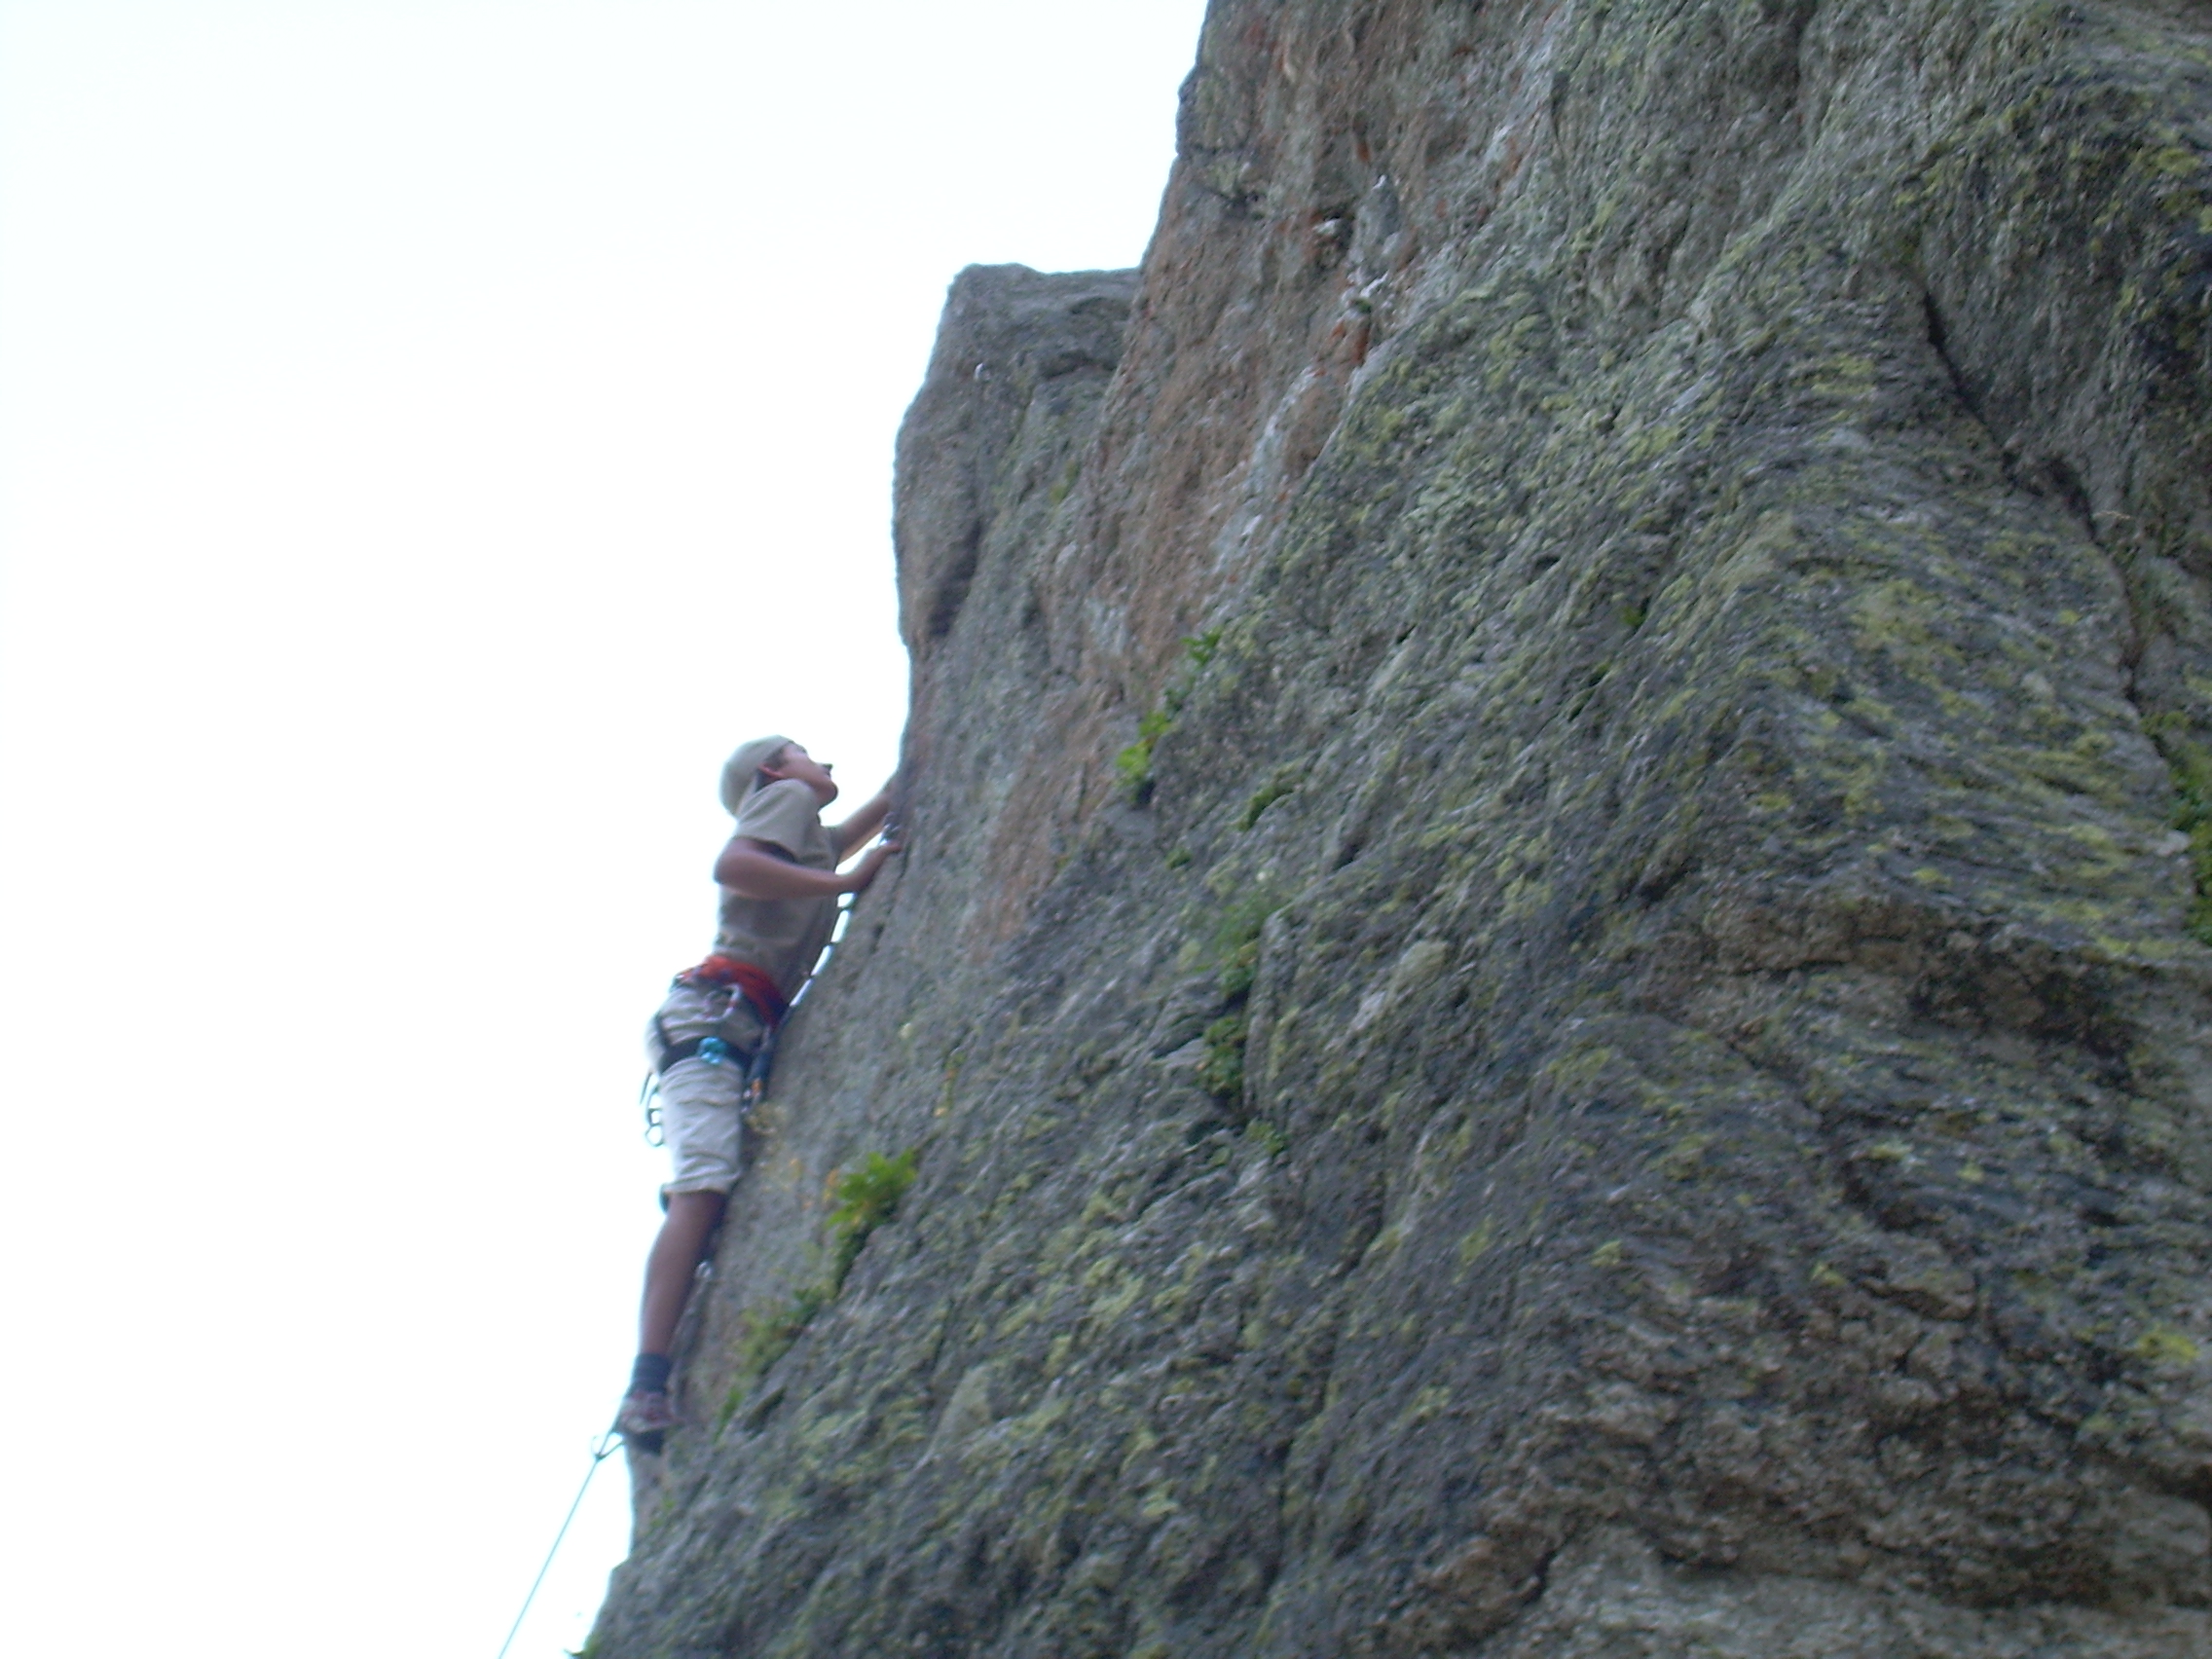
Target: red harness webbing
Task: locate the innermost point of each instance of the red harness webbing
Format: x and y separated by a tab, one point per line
752	982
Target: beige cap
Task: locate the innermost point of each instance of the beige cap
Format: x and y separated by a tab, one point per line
739	770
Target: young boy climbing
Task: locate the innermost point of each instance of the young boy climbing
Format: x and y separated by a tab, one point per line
780	884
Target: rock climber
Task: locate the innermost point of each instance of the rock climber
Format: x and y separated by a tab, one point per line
780	883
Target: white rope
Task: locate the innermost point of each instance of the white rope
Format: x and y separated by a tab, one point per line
601	1452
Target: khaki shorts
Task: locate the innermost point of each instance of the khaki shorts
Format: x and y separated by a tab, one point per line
702	1102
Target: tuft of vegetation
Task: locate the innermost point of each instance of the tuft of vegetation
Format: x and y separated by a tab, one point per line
769	1334
864	1200
1270	1140
1134	763
1282	781
1060	489
1235	943
1177	857
1221	1074
867	1197
1236	947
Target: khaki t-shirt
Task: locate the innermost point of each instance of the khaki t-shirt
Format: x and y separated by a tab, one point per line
782	937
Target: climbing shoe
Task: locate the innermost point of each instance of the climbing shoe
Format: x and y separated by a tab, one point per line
646	1413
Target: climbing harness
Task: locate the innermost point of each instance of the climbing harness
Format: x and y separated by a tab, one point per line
602	1448
744	979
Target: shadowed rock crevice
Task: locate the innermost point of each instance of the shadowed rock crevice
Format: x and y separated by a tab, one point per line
1638	1081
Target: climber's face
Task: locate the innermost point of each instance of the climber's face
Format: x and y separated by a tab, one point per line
797	762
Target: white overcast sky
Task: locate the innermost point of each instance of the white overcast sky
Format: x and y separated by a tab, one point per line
431	433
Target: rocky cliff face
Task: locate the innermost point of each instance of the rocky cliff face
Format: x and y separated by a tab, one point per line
1553	985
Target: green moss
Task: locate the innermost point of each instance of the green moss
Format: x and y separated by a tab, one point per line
1240	968
1221	1073
2163	1344
1134	763
1474	1245
1282	781
1237	952
1236	935
769	1334
1058	492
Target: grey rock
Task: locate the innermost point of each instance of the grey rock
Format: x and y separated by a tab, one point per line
1620	1066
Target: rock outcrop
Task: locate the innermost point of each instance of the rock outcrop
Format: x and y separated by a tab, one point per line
1553	986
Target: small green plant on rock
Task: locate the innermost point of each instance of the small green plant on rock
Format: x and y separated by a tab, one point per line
867	1197
1221	1073
1270	1139
1282	781
769	1334
1134	763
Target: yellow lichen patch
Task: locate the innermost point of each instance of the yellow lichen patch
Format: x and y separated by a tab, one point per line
1900	618
1113	1304
1685	1159
2163	1344
1425	1405
1476	1244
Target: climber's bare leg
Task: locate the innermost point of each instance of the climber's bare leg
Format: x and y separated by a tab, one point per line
684	1234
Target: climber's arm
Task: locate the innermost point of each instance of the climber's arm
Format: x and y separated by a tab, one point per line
761	869
863	824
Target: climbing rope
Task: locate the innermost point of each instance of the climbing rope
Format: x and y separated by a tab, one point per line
601	1450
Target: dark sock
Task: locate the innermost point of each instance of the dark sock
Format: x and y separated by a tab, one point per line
650	1375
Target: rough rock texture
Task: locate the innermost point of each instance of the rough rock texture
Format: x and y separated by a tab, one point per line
1622	1066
